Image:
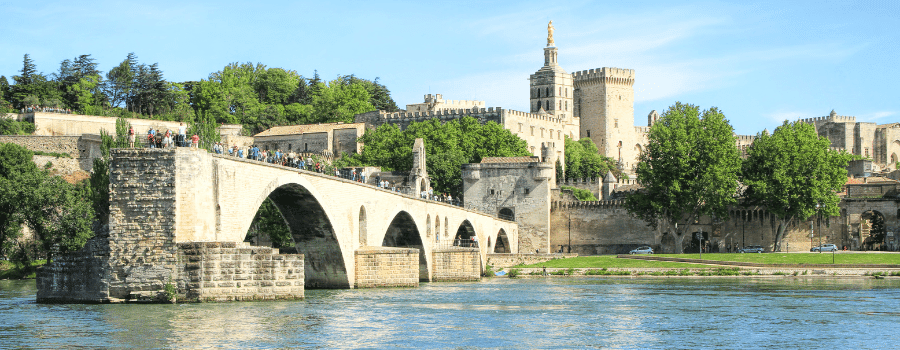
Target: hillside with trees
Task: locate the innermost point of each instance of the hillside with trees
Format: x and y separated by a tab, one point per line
253	95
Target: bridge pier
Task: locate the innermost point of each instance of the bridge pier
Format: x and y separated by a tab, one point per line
387	267
453	264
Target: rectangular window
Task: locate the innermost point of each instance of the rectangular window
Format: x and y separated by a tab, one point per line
526	190
617	123
520	127
588	133
867	151
492	191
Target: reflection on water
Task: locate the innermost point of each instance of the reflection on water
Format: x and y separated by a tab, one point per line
499	313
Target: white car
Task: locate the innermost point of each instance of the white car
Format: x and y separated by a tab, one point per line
824	248
642	250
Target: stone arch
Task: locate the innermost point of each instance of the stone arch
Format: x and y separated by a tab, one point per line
502	243
363	237
507	214
313	235
465	232
403	233
639	148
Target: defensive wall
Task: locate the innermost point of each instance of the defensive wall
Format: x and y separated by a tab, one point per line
605	227
535	129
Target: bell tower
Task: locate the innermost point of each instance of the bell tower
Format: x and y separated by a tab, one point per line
551	87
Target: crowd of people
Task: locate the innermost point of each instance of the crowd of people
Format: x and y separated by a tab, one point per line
35	108
168	139
158	139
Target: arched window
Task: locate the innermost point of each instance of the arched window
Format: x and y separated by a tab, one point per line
548	92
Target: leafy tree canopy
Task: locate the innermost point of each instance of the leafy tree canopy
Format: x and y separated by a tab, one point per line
447	147
689	168
583	160
791	171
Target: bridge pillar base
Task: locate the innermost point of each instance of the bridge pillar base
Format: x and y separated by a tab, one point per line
387	267
456	264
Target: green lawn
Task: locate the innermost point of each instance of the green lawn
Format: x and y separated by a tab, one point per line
608	261
797	258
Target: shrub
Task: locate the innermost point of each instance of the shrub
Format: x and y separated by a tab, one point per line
513	273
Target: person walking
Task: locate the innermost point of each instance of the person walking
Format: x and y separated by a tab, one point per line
131	137
181	134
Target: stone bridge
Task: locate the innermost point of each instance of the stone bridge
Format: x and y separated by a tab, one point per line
177	212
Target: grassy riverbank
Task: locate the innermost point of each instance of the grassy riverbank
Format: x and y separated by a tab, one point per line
611	262
606	261
9	270
797	258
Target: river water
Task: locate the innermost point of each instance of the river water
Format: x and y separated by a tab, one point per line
552	312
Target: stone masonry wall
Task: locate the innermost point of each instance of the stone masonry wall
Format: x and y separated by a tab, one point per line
81	276
229	271
52	144
456	264
143	254
387	267
603	227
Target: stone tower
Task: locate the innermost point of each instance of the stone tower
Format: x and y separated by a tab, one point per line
551	86
604	99
418	175
549	154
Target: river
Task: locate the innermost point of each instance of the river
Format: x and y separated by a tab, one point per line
552	312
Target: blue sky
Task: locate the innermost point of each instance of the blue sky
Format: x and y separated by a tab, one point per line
760	62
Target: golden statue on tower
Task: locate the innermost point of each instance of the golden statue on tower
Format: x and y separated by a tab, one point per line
550	34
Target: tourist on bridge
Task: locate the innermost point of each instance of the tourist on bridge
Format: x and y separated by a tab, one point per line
131	137
181	134
195	141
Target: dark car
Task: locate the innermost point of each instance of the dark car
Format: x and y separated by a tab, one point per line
824	248
751	249
642	250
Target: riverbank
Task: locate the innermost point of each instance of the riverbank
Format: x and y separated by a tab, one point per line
11	271
685	265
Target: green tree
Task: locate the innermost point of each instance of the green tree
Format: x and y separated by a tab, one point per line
82	94
447	147
791	171
583	160
118	83
689	168
268	221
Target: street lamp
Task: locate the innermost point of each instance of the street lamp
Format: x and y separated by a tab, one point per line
743	232
817	226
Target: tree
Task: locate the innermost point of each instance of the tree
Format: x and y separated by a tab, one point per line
118	83
53	209
689	169
791	171
583	160
268	221
447	147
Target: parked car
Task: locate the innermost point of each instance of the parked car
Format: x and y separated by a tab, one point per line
751	249
642	250
824	248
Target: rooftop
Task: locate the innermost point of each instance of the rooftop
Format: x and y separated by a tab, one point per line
308	128
530	159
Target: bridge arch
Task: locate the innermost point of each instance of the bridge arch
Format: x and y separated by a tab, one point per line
501	243
403	233
310	224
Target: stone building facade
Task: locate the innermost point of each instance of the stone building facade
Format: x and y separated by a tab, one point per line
516	189
330	138
438	103
880	143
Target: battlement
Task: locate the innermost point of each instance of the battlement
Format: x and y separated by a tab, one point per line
744	139
642	129
608	75
608	204
438	98
380	117
830	118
